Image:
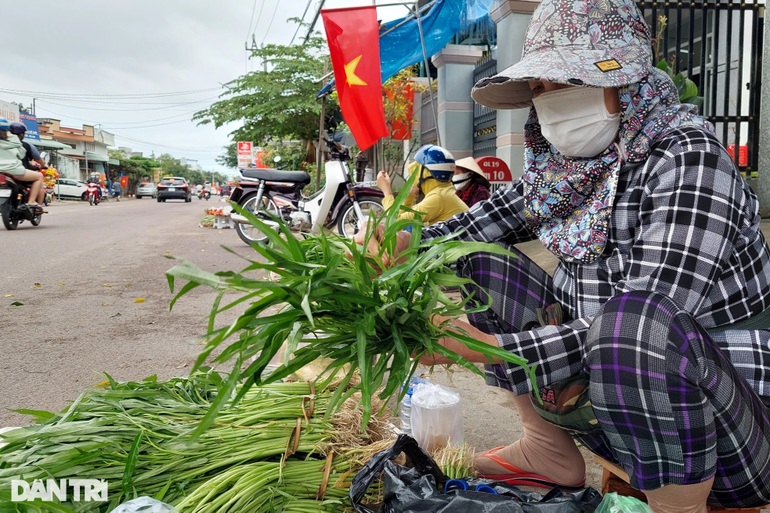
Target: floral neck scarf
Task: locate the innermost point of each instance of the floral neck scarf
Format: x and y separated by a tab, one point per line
569	200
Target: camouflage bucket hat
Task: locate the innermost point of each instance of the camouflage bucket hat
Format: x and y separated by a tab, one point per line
600	43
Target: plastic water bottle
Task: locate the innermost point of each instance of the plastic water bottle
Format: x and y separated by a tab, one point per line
405	412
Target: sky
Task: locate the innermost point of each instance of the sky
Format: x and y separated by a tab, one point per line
140	69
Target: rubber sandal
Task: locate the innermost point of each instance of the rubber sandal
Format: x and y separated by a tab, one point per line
518	477
37	209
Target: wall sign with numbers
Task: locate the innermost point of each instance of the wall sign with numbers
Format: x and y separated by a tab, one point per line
495	169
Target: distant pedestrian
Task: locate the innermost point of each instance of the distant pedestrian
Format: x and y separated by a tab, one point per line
116	190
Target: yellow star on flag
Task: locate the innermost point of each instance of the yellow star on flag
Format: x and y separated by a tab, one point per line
350	73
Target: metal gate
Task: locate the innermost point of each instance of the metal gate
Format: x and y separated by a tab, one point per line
484	118
718	45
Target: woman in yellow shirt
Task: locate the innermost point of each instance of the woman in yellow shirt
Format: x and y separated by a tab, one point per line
440	202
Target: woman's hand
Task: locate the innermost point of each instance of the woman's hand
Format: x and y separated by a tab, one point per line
383	182
373	242
458	347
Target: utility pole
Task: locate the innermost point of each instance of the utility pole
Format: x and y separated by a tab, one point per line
253	48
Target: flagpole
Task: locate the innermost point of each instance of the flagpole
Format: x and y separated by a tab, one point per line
427	72
321	133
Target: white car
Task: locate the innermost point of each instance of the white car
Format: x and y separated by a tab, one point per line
68	188
146	189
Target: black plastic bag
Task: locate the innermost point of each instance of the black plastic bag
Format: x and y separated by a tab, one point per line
419	488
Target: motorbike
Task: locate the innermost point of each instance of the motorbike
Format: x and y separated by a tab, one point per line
93	193
204	194
14	195
272	194
48	198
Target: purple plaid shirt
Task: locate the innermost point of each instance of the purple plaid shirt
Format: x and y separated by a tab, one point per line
684	224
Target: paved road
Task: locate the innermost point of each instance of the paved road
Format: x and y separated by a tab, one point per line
95	298
79	275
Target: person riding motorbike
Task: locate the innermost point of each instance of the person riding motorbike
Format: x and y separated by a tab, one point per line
436	166
94	179
12	152
32	159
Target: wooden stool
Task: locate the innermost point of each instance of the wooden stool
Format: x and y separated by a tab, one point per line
615	479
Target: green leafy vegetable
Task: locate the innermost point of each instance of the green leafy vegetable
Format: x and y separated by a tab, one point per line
329	299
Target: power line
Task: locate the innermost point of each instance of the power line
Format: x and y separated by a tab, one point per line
94	95
47	101
178	148
145	126
302	19
315	19
270	25
259	18
104	101
251	20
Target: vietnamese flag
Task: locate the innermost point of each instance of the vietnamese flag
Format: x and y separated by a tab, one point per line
354	46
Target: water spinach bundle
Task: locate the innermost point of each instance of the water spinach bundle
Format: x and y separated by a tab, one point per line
273	451
326	297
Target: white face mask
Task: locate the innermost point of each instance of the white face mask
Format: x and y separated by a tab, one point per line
575	120
461	180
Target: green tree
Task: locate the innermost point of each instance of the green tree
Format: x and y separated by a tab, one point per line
278	102
135	168
230	157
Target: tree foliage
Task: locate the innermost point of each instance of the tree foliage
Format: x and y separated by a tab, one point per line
230	157
277	102
398	105
139	169
134	167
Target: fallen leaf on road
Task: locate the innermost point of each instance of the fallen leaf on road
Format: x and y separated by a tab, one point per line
36	286
8	295
106	285
17	303
139	300
61	284
105	304
116	315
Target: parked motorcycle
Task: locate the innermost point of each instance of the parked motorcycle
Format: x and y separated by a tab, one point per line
93	193
48	198
270	192
13	203
204	194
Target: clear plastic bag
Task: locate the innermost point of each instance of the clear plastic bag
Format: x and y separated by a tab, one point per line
144	505
614	503
437	416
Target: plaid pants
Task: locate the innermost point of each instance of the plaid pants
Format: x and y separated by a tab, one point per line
672	407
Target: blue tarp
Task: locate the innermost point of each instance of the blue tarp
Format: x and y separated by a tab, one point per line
401	47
